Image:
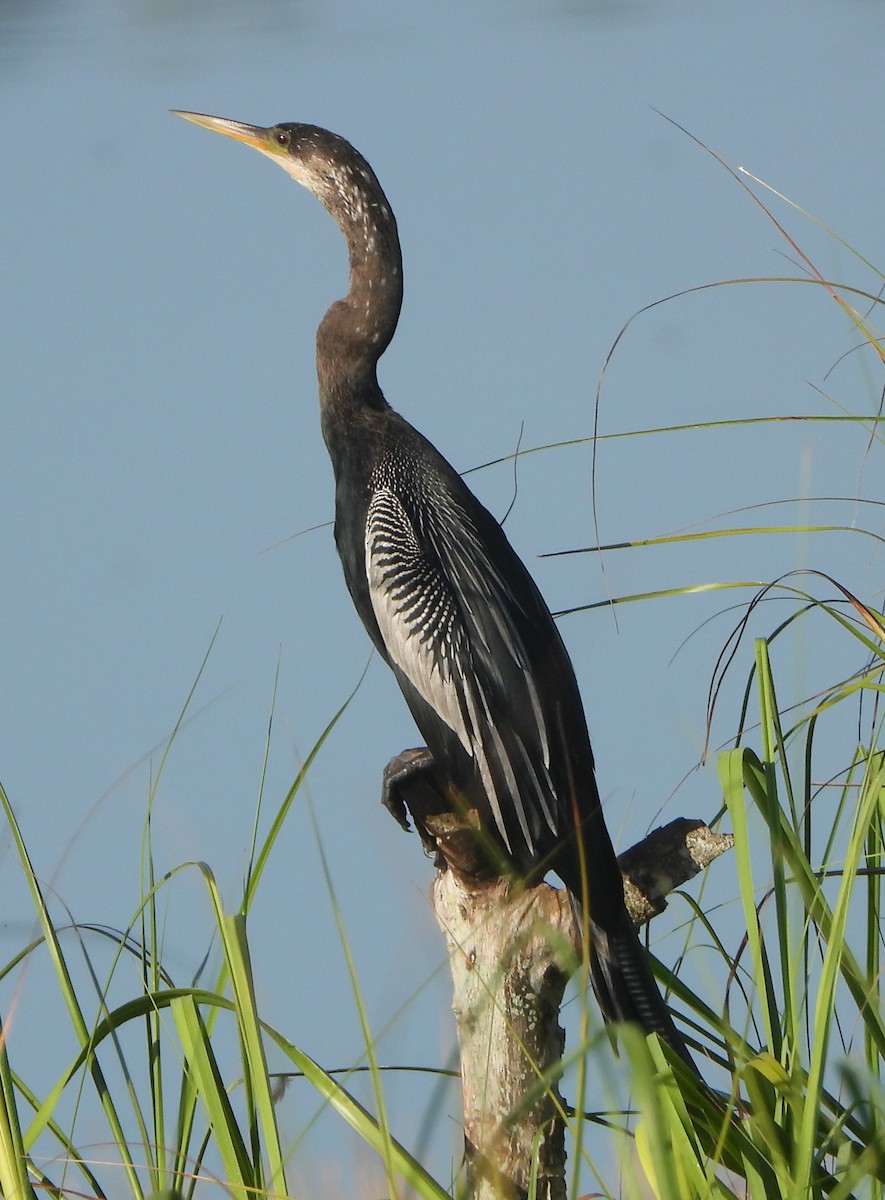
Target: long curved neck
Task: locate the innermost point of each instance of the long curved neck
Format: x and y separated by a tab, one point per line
357	330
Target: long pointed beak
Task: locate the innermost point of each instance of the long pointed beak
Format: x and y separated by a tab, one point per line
252	135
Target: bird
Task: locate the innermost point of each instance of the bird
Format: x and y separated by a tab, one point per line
446	600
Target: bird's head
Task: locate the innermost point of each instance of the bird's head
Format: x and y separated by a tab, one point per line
319	160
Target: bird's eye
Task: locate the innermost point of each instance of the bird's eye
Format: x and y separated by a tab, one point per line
282	137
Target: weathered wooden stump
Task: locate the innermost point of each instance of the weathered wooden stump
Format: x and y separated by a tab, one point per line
511	952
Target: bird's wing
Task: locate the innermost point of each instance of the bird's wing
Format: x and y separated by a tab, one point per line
452	626
458	618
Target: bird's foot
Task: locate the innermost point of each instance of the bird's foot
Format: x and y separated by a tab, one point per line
411	788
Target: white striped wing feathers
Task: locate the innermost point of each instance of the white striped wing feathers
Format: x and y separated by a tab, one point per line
421	580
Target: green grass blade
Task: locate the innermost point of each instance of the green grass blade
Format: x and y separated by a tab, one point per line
257	867
368	1039
667	1139
774	755
201	1064
15	1183
870	798
256	1075
731	765
69	996
360	1120
68	1152
816	905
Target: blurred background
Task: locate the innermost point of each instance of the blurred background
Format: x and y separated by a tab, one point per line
165	487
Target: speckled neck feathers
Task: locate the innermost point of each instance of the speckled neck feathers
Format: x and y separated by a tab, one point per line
356	330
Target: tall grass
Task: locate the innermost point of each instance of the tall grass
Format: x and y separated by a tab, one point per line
178	1120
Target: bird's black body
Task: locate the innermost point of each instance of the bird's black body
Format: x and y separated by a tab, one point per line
446	600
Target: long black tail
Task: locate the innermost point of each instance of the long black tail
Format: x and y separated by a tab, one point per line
624	985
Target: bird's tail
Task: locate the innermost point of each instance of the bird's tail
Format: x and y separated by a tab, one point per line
625	987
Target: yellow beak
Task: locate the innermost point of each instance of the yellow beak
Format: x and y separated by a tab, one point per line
252	135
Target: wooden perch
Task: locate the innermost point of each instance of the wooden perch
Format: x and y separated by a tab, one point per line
511	951
664	860
510	957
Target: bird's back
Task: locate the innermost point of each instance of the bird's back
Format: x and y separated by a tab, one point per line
453	610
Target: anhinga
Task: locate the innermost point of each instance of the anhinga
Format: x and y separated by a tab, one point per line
447	602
